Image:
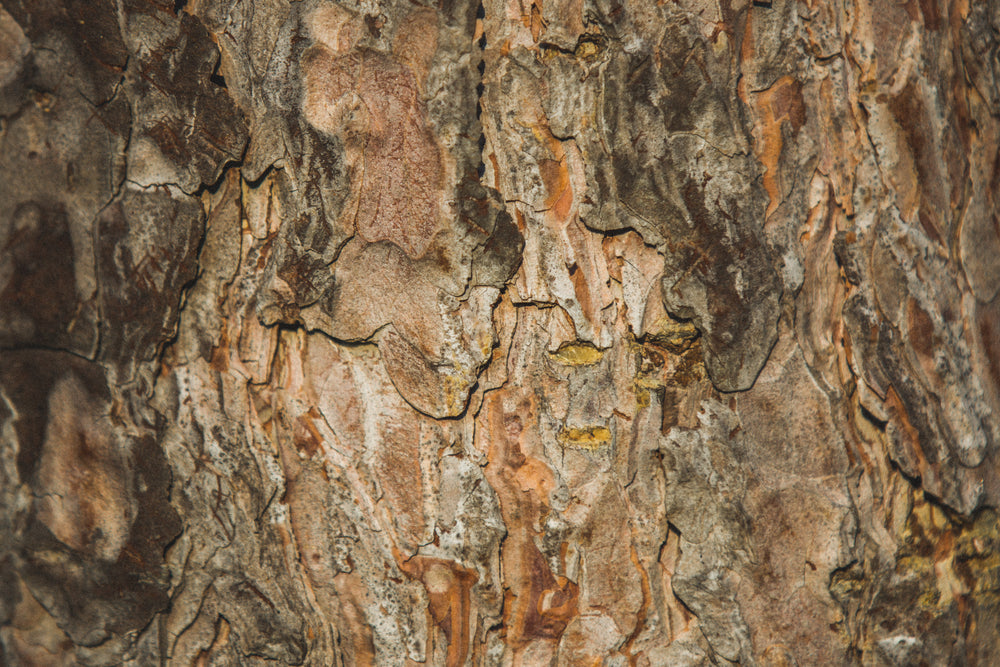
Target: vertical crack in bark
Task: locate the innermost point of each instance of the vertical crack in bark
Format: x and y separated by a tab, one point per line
707	373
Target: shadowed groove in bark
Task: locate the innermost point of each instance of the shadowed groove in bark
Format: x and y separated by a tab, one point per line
481	332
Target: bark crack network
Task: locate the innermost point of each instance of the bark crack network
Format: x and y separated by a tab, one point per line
473	332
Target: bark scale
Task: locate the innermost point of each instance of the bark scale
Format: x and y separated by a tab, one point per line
562	332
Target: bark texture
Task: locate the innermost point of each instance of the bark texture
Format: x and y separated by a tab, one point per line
526	332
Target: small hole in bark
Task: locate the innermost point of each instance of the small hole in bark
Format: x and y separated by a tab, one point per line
762	3
179	5
480	11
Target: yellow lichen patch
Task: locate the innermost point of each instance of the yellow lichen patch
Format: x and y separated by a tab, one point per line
454	393
485	341
590	438
690	367
977	552
577	354
642	399
645	384
587	49
952	559
672	334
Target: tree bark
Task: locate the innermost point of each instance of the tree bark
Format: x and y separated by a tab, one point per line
562	332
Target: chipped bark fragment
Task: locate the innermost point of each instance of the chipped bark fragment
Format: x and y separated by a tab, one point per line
558	332
149	242
186	127
689	188
39	300
92	549
400	190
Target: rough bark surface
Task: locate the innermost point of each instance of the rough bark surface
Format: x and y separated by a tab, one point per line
521	332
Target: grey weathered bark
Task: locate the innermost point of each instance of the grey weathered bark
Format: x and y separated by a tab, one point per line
561	332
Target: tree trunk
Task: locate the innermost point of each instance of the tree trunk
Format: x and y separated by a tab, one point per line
570	332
